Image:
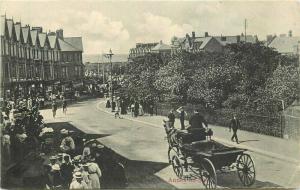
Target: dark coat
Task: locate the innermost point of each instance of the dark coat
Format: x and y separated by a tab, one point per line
196	121
234	124
171	117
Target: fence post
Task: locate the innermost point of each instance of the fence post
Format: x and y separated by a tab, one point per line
281	124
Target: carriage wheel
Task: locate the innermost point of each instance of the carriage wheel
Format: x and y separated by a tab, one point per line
246	170
208	174
177	166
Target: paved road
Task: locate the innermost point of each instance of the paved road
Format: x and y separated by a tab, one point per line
144	147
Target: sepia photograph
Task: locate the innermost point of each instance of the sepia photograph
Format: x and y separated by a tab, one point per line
132	94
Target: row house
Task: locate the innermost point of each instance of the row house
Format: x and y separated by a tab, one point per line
31	60
141	49
207	43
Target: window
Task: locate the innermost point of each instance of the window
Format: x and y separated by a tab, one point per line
12	50
6	48
39	52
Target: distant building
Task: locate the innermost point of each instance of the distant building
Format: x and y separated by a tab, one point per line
207	43
161	48
196	44
99	66
141	49
286	44
224	40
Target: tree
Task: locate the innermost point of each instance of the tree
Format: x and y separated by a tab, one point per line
140	77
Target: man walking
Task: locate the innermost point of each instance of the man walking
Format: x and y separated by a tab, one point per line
235	125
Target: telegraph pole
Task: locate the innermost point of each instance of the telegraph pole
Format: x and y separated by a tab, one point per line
110	54
245	30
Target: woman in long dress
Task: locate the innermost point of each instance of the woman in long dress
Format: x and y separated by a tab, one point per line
94	175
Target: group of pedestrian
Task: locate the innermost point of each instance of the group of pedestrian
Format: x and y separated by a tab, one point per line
197	124
67	171
20	133
55	107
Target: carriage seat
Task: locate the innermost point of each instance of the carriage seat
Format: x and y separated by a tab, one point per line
200	146
192	135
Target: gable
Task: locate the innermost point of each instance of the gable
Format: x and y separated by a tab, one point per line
11	29
19	35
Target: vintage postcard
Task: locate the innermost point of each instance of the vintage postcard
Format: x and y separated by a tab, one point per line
149	94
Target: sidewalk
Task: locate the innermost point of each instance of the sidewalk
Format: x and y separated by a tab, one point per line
282	149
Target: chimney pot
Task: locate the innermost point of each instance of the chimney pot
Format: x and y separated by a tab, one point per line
60	33
193	34
206	34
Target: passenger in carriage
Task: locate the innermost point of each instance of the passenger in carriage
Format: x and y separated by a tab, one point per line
196	128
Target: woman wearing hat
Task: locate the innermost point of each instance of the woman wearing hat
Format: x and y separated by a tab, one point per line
78	183
94	174
67	144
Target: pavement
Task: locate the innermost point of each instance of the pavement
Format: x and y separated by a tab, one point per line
283	149
142	142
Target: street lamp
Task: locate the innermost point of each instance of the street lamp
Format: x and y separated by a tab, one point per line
109	55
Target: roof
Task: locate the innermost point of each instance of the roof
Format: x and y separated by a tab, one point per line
18	31
25	32
10	26
33	34
2	26
98	58
52	41
65	46
161	46
285	44
75	42
234	39
42	38
203	40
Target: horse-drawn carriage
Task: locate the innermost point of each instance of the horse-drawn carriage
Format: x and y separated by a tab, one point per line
201	159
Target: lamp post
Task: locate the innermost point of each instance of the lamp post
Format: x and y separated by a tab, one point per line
109	55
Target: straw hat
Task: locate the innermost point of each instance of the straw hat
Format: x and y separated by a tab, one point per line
77	158
52	158
77	175
55	167
100	146
64	131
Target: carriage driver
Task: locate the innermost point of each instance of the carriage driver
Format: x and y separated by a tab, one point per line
196	128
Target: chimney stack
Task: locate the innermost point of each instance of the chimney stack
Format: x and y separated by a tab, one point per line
38	28
290	33
206	34
193	35
60	33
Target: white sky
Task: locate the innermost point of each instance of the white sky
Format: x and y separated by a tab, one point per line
120	24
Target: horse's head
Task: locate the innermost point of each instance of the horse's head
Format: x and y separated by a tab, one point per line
168	127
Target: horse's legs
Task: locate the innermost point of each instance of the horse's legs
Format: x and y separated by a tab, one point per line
169	150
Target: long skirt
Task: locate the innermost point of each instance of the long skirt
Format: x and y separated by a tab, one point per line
95	182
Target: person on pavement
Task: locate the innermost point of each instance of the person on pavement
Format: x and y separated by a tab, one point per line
66	171
67	144
136	109
94	174
78	183
171	117
234	125
182	115
64	106
54	108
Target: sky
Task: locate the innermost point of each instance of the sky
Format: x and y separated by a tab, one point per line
119	25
